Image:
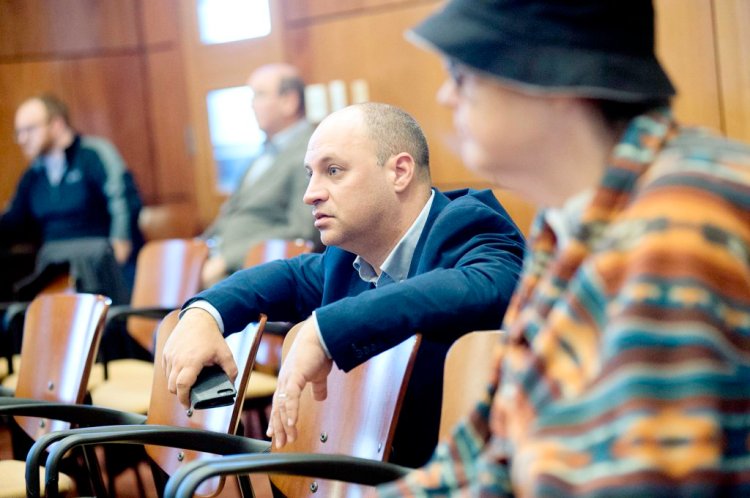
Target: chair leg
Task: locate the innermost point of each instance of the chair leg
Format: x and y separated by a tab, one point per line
95	474
256	417
139	482
246	489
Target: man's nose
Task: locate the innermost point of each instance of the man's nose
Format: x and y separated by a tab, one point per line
447	93
314	192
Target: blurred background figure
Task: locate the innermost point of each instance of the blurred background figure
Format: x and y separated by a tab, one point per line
267	204
76	199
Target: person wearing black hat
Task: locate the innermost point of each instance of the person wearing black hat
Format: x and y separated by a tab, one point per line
625	370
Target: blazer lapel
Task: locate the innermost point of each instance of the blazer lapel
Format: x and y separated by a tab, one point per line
438	204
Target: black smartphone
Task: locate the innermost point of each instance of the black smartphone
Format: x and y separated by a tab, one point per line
212	388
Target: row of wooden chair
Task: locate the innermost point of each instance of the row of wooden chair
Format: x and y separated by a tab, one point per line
168	274
60	341
74	323
357	420
325	429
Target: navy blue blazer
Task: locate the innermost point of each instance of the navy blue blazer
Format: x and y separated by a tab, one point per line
463	273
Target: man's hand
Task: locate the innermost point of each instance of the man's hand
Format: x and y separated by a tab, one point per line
305	362
122	249
195	342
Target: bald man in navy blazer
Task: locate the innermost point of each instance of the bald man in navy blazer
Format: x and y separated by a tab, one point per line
402	258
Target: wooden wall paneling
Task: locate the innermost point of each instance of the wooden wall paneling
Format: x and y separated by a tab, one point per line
373	47
118	65
199	135
733	41
174	173
107	97
685	44
167	102
17	82
160	22
35	27
397	73
209	67
301	10
519	209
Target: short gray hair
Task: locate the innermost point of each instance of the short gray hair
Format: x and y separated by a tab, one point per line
394	131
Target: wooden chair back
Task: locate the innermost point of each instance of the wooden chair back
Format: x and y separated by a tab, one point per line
268	359
173	220
167	274
60	339
273	249
358	418
467	368
58	281
164	408
269	354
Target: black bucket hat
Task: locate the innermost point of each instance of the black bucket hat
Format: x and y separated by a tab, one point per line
591	48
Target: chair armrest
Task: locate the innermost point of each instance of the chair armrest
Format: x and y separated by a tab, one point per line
124	311
12	311
37	451
278	328
335	467
75	414
115	323
161	435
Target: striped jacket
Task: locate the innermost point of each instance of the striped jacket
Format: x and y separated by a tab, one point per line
626	366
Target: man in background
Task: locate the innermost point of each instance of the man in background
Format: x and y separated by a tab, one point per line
267	204
77	198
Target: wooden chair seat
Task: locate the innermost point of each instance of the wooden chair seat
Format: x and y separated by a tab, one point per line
96	376
123	396
12	474
261	385
4	366
138	370
128	388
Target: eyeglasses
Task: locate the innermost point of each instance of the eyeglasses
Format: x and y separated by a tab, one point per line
457	73
28	129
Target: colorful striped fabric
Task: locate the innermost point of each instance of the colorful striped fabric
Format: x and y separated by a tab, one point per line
626	370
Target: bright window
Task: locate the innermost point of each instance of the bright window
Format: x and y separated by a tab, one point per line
235	135
221	21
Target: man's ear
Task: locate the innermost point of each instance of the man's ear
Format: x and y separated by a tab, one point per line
403	170
57	125
290	103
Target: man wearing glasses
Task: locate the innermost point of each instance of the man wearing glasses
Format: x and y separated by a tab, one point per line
77	198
